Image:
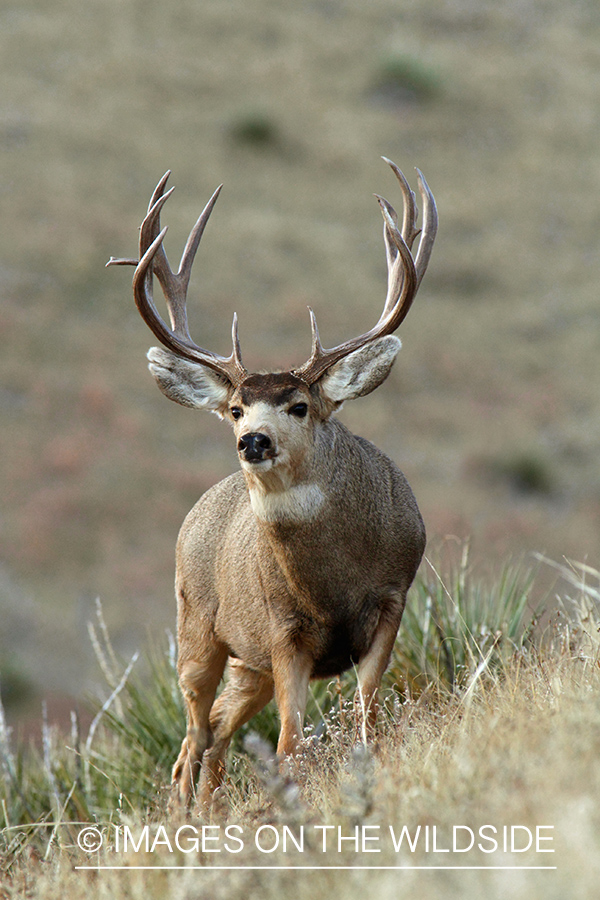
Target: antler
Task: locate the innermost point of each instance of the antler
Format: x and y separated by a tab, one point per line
404	275
153	259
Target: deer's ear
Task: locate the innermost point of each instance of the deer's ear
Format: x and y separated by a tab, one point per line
189	383
360	372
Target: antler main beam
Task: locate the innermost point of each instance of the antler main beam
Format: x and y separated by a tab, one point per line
405	273
153	260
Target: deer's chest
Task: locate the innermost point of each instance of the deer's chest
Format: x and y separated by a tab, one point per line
335	632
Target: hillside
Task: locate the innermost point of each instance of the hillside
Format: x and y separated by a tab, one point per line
493	409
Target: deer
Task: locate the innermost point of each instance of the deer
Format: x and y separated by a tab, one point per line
297	566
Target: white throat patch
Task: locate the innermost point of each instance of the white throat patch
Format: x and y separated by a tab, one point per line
299	503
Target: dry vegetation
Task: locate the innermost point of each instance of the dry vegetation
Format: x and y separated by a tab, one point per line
492	410
514	745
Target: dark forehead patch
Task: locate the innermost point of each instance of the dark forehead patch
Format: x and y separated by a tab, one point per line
273	387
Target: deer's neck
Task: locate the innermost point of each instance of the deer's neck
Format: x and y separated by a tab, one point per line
297	503
296	493
286	497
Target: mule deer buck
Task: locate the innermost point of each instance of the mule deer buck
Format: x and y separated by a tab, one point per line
297	566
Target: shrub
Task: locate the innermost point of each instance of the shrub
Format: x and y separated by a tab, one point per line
403	80
254	129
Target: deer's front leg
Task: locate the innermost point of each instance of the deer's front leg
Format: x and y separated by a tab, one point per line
199	679
291	674
373	664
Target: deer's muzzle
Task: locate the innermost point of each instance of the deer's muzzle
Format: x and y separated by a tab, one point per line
255	447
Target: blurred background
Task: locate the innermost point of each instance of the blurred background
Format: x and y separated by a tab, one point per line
493	409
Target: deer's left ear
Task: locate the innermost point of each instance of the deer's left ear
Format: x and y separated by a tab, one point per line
360	372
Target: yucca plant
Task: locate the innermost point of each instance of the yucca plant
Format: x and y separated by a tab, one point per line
453	623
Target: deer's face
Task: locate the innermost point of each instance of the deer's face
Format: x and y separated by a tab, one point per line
273	418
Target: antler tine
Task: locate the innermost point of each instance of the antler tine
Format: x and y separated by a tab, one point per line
411	213
159	189
404	275
153	259
193	241
430	226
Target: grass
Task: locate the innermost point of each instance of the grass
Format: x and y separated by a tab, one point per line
478	750
463	621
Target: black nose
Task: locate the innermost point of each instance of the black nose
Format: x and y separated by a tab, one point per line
254	445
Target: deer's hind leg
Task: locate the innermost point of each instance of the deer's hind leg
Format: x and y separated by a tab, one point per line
199	680
374	663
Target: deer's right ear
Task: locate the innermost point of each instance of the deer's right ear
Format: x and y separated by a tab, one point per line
189	383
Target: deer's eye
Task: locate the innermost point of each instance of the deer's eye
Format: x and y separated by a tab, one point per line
236	412
299	410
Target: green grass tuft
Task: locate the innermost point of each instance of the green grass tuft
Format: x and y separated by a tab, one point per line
404	79
254	129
